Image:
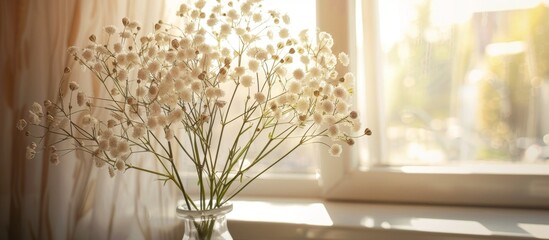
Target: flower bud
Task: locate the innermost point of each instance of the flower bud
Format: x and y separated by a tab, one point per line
175	43
353	115
125	21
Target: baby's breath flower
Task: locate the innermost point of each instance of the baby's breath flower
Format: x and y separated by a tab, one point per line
327	90
111	29
54	158
349	78
315	72
335	150
246	80
170	56
87	119
253	65
256	17
302	105
233	15
73	86
305	59
165	87
304	36
122	75
325	39
333	131
211	21
328	120
113	142
294	87
288	59
162	120
134	25
317	118
341	107
153	90
21	124
117	47
168	133
183	9
299	74
176	115
245	8
240	31
219	92
210	92
281	71
123	147
111	171
284	33
72	50
186	95
340	92
33	118
125	34
260	97
103	144
239	71
333	74
132	57
138	131
286	19
87	54
220	103
99	162
344	59
122	59
80	98
225	29
197	86
30	153
200	4
115	91
152	122
111	123
155	109
36	108
327	106
97	67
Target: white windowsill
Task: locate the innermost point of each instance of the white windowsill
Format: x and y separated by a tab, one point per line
255	218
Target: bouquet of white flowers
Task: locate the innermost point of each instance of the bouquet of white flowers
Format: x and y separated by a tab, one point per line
229	78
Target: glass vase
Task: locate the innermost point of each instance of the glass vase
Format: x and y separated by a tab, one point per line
208	224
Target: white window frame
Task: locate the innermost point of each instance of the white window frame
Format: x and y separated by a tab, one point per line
343	180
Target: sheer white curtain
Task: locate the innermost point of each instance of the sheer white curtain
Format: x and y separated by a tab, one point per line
73	200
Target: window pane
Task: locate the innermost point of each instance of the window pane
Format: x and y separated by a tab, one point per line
465	81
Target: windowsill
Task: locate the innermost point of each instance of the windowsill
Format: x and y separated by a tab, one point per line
255	218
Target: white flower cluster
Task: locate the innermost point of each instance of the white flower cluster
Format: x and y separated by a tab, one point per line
189	77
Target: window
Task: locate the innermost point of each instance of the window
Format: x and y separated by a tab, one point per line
455	93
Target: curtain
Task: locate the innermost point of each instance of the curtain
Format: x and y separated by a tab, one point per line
73	200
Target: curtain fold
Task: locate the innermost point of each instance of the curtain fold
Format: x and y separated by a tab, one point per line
73	200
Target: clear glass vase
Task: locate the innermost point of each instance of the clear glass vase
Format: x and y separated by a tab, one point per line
205	224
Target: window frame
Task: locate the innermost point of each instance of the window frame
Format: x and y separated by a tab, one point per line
342	180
